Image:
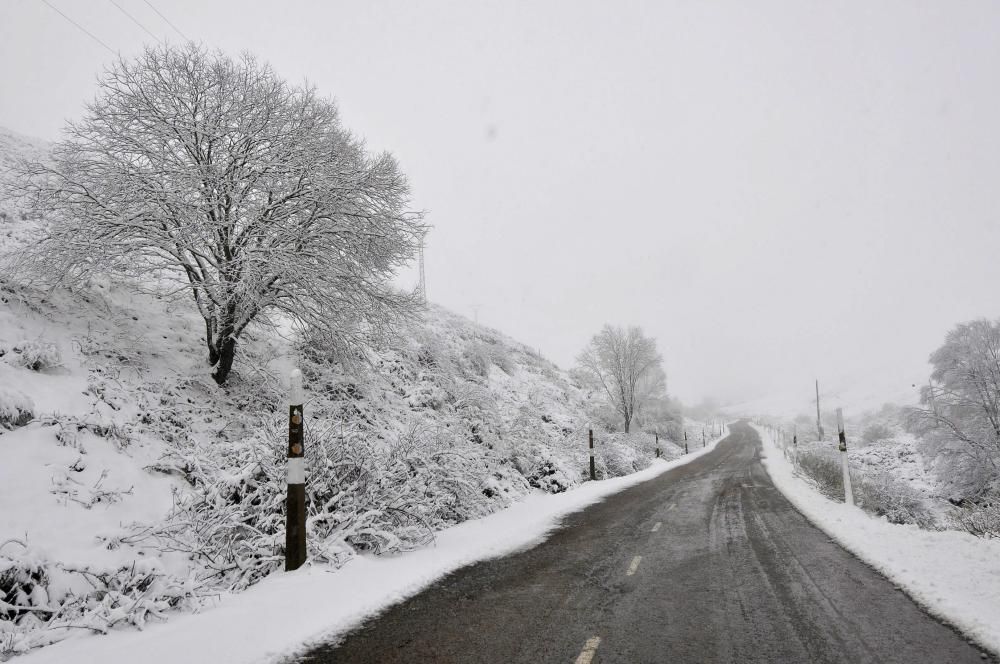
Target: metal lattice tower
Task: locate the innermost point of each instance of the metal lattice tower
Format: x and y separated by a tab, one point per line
422	287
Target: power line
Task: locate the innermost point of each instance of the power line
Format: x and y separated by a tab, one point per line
176	29
80	27
133	19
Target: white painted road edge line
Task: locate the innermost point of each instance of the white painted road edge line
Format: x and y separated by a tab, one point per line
634	566
589	650
656	527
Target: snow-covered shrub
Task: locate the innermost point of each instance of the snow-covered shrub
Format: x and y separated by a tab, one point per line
38	355
44	601
825	471
501	358
875	432
544	470
882	495
621	454
16	409
361	496
478	357
979	520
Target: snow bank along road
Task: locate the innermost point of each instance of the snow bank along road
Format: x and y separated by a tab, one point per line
705	563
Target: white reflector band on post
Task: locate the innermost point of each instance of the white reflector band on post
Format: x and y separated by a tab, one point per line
295	397
296	470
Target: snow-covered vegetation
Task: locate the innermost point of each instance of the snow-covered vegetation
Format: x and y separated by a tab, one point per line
132	484
934	466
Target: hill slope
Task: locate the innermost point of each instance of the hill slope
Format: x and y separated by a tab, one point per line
132	485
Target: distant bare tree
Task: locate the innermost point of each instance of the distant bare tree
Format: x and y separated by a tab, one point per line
963	398
627	367
194	172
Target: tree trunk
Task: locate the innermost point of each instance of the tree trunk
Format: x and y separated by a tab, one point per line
224	355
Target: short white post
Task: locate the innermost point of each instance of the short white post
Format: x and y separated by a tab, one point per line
848	492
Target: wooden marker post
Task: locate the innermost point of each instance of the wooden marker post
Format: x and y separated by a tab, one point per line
848	492
819	421
593	470
295	505
657	434
703	436
685	442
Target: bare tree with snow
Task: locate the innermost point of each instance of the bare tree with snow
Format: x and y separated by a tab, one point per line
199	173
963	398
626	365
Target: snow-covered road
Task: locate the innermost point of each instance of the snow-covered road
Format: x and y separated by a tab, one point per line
707	562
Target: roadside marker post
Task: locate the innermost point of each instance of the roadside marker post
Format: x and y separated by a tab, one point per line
819	421
593	470
848	492
657	434
295	503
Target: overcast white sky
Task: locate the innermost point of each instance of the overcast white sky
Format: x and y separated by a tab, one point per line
774	190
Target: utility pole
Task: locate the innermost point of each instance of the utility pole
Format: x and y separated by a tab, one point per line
848	492
593	470
819	420
295	501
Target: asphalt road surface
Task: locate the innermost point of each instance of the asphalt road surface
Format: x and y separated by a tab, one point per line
705	563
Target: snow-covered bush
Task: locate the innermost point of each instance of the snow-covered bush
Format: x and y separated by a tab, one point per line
877	493
478	357
823	470
38	355
979	520
882	495
621	454
543	470
44	601
16	409
875	432
361	496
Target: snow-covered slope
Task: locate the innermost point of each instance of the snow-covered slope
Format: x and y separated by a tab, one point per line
131	485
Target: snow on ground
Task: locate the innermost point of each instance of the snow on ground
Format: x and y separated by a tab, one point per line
954	575
899	457
288	612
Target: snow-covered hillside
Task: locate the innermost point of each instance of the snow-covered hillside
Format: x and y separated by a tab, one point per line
131	485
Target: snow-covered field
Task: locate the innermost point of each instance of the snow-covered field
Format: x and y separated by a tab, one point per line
288	612
952	574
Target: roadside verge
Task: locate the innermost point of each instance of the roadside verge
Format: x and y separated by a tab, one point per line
289	612
953	575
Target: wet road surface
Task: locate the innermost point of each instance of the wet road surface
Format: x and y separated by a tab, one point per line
705	563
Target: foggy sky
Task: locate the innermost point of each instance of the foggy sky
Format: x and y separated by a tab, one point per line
774	190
